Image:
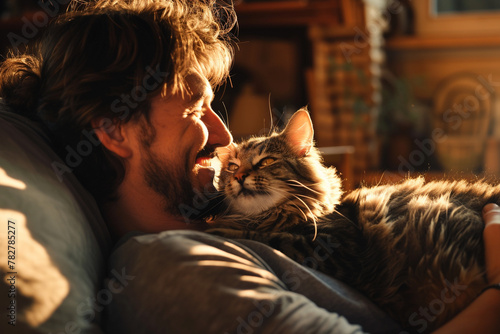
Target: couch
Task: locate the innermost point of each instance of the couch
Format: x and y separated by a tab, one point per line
53	240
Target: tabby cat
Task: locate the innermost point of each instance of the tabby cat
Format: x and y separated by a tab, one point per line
413	248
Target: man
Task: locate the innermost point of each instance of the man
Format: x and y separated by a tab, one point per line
137	78
167	159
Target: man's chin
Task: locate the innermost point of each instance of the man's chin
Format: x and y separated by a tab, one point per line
205	201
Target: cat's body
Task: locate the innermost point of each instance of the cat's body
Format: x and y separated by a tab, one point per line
415	249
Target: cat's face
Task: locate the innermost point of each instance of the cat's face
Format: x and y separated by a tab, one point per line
256	174
266	172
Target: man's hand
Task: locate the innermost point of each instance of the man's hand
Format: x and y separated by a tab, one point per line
491	234
482	315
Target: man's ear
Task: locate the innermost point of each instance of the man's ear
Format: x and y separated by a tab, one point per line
113	136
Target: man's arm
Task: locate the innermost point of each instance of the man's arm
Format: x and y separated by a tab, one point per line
482	316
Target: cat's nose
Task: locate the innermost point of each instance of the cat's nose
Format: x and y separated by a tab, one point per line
240	176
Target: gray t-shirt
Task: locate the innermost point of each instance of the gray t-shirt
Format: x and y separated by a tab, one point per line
193	282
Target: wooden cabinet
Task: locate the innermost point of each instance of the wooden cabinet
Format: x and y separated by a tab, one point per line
342	81
298	12
452	60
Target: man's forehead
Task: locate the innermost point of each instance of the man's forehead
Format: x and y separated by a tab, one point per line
196	88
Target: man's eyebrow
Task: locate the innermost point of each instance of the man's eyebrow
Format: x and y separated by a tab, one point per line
200	95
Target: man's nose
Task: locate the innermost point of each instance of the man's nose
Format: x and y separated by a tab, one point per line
218	134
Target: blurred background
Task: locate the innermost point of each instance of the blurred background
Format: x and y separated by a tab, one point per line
394	87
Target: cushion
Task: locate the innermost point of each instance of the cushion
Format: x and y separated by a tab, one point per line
54	241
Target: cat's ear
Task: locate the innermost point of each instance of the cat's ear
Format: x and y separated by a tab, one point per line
224	153
299	132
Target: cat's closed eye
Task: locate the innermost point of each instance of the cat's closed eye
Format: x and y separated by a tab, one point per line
266	162
232	167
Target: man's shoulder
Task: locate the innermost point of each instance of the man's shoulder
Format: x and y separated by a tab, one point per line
183	239
136	238
177	246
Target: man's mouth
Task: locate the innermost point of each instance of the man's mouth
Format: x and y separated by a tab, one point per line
203	161
204	157
204	170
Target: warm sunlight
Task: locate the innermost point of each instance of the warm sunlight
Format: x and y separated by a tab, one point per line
6	180
34	276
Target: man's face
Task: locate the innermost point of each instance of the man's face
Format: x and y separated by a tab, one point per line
177	144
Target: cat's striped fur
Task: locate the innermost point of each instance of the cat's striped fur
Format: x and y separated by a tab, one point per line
414	248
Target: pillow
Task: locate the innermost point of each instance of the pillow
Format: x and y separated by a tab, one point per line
54	241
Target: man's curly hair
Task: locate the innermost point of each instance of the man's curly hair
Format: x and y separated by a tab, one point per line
98	52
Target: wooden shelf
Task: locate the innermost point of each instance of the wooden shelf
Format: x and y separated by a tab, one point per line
293	13
420	43
249	7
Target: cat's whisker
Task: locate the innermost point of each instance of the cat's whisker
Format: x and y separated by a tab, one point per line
308	197
222	154
221	196
226	119
272	124
381	178
315	228
347	218
301	195
221	200
284	192
295	183
306	218
270	115
300	210
313	216
268	143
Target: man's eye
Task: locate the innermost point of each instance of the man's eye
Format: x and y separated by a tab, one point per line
266	162
194	111
231	167
197	113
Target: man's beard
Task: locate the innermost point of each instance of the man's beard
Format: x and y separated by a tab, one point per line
180	198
